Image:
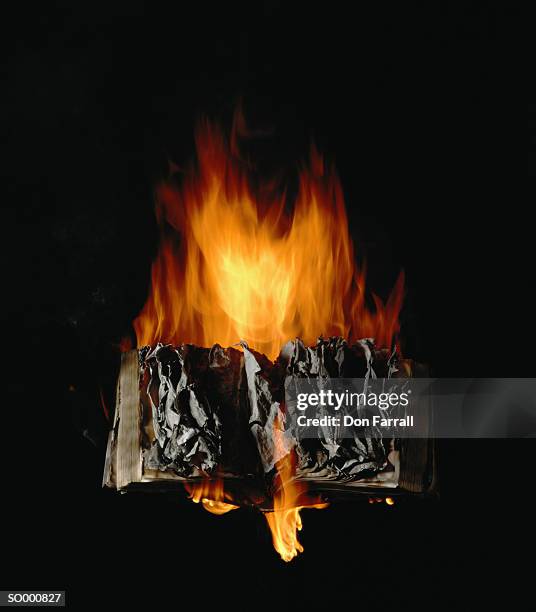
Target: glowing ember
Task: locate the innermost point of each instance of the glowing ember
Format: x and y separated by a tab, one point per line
379	500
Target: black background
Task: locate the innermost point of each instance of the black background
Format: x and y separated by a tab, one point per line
404	99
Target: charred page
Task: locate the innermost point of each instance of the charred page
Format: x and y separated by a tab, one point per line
220	413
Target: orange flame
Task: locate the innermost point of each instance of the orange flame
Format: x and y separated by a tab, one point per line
233	265
379	500
211	494
285	520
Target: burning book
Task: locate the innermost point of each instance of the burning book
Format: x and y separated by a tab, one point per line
187	413
201	402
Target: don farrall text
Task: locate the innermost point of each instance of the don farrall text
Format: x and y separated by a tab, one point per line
333	400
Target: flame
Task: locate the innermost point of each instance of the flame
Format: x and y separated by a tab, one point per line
285	520
234	265
379	500
211	494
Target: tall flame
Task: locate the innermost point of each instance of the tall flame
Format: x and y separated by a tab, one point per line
234	265
285	520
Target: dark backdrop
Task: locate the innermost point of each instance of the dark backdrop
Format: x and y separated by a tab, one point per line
404	99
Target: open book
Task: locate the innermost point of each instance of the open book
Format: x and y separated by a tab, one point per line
186	413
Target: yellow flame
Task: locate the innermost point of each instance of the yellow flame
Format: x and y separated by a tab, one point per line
233	265
285	520
211	494
284	525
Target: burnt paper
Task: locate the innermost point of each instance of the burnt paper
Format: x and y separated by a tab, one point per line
331	456
187	431
222	412
198	419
